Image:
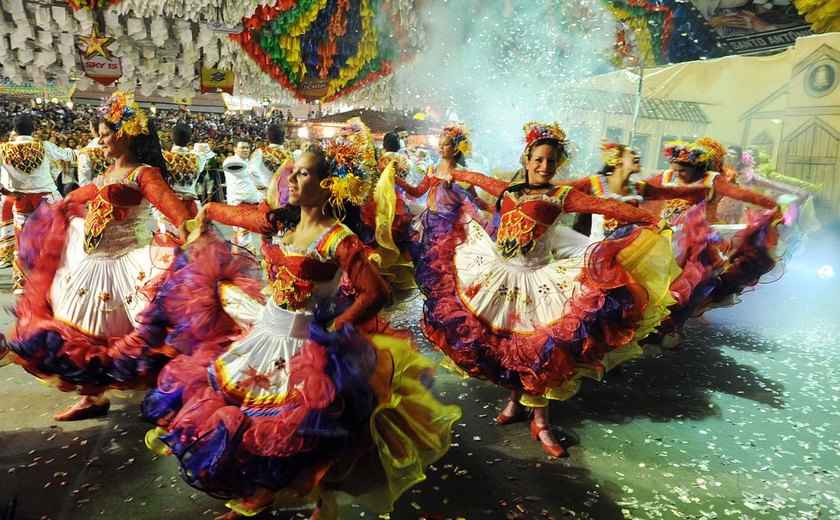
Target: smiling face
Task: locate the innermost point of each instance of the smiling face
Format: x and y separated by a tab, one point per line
112	145
542	164
631	162
305	184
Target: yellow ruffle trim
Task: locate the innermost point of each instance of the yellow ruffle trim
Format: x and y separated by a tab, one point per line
650	261
397	270
410	429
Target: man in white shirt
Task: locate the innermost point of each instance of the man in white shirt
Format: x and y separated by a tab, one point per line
266	159
7	224
26	176
240	189
92	160
206	182
183	170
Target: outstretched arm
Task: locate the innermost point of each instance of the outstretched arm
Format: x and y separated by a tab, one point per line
57	153
161	195
414	191
728	189
692	194
492	186
82	195
584	185
249	216
779	187
371	291
579	202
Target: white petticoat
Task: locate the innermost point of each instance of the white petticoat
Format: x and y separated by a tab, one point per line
100	294
257	365
517	294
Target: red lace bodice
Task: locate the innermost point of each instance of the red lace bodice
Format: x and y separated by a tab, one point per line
526	220
294	276
111	201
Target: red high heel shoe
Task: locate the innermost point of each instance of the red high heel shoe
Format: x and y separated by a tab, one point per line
86	408
503	418
556	451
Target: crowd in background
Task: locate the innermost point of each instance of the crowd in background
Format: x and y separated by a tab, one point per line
74	126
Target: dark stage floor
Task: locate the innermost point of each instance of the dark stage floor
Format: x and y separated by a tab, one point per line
741	422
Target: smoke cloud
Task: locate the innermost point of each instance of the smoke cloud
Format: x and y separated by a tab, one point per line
497	64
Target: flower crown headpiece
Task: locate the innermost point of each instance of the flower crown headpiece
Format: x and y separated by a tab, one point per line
460	137
534	131
611	153
688	153
351	161
123	112
715	161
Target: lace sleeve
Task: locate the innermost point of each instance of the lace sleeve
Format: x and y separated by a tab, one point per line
371	291
579	202
414	191
83	194
161	195
692	194
728	189
492	186
249	216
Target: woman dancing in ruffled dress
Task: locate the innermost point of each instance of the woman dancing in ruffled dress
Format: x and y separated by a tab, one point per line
90	318
694	242
518	311
744	252
314	403
444	196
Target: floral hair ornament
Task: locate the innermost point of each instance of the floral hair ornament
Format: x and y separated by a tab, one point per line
611	153
351	159
123	112
748	170
715	161
460	136
691	154
534	131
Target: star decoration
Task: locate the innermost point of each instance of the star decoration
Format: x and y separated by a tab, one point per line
256	379
96	44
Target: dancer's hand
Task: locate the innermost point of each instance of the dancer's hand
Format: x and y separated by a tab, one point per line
191	229
201	218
